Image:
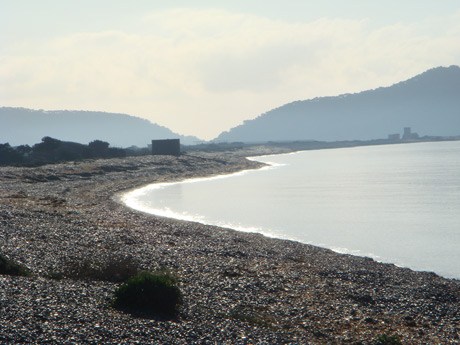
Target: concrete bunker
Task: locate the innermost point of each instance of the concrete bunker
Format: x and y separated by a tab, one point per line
166	147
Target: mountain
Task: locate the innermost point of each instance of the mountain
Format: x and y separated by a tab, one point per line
25	126
429	103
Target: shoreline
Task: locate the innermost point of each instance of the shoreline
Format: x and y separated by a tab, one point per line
128	199
238	287
123	197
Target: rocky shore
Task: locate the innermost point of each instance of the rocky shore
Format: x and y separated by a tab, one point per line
238	288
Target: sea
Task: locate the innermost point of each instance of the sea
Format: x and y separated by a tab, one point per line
396	203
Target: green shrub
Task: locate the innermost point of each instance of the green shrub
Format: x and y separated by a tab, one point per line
149	292
13	269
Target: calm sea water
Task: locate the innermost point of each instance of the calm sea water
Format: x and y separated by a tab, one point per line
395	203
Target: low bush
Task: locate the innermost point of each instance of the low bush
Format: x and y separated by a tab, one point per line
11	268
149	292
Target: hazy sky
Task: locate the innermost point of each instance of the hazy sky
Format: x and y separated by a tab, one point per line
202	67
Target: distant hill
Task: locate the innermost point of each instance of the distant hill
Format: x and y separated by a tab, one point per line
429	103
25	126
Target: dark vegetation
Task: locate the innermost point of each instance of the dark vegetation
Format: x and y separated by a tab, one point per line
216	147
151	293
8	267
302	145
52	150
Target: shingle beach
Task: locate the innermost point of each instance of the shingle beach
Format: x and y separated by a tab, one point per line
238	288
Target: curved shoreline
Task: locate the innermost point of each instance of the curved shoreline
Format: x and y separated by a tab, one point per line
154	203
238	287
126	198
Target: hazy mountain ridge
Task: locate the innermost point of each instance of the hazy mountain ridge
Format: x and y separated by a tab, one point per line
26	126
428	102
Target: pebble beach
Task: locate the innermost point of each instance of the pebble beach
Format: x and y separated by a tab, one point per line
238	288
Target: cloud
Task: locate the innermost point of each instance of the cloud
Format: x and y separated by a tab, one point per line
203	71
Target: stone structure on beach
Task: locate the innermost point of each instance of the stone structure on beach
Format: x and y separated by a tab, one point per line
166	147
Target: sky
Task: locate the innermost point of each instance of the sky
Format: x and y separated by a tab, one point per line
203	67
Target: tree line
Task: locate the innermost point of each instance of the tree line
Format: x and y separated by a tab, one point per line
51	150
